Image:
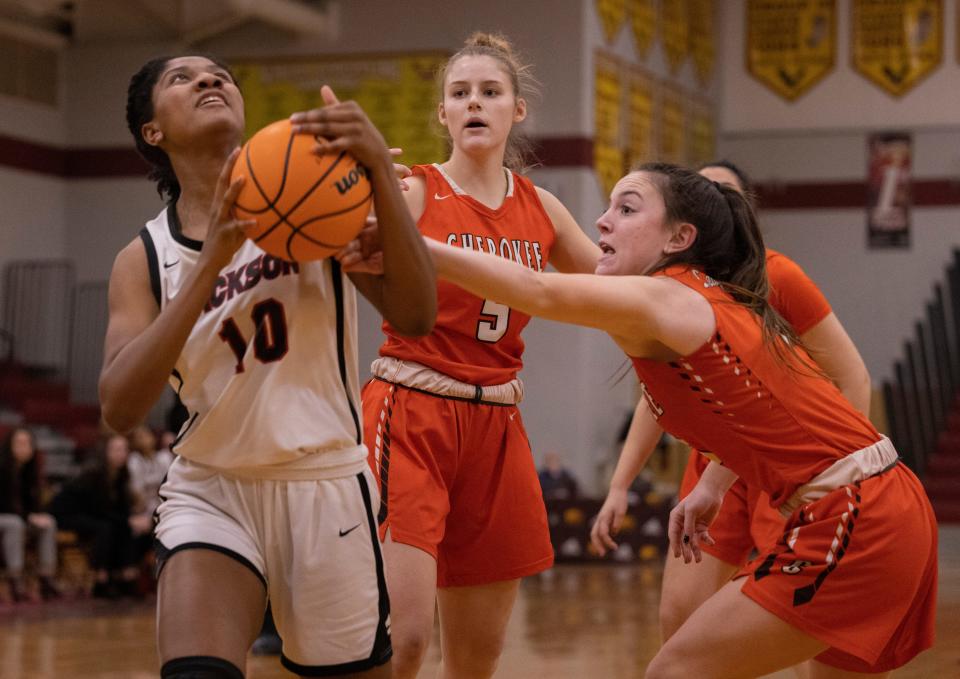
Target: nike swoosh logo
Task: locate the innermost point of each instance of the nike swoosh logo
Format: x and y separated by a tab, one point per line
344	532
437	196
167	266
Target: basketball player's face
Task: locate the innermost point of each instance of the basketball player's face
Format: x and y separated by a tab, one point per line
479	105
633	232
194	99
722	175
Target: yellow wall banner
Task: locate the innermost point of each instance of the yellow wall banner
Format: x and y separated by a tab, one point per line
702	48
672	129
607	140
643	20
703	135
791	44
675	25
398	92
612	15
640	117
897	44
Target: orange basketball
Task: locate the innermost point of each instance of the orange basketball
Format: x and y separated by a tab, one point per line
306	206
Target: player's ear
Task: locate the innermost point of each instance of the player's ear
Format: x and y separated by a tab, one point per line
442	114
151	133
684	234
520	111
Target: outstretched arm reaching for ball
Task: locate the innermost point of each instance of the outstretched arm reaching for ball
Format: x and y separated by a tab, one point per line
142	343
406	292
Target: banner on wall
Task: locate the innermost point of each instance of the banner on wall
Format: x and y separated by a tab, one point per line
607	140
613	13
643	21
398	92
702	145
672	128
675	27
888	189
702	49
791	44
640	118
897	44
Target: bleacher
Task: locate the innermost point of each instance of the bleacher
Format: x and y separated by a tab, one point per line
923	400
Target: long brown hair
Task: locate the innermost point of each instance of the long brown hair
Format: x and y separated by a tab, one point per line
519	151
728	246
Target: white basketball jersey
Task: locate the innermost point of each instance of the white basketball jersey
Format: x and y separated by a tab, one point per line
269	371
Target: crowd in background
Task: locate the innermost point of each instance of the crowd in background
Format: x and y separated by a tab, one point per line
106	509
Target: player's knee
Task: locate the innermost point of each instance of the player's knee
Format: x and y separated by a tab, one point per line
477	658
664	667
672	616
200	667
409	650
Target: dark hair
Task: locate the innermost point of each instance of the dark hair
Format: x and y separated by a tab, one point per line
728	246
519	149
140	112
20	486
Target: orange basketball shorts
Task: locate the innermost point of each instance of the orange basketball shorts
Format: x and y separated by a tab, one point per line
745	522
856	569
457	480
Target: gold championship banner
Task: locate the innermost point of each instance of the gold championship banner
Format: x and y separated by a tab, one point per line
607	140
612	15
897	43
702	49
640	116
675	25
703	135
643	21
791	44
398	92
672	127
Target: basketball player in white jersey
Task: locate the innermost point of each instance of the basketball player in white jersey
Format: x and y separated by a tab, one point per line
270	495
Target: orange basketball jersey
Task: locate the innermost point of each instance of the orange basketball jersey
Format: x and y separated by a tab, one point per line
793	294
775	428
476	340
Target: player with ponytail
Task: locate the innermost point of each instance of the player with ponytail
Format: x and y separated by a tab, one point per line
851	581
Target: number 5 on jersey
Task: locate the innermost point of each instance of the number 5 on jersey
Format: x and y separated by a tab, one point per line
494	318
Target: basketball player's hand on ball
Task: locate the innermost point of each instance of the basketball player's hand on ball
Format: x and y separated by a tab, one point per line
609	521
226	233
363	254
343	126
689	522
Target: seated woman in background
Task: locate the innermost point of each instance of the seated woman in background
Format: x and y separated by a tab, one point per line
21	492
148	467
98	504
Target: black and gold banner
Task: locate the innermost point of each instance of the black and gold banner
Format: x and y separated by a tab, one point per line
641	94
897	43
672	127
608	145
643	21
398	92
791	44
702	48
675	27
613	13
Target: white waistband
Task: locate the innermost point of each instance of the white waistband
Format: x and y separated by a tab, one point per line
856	466
416	376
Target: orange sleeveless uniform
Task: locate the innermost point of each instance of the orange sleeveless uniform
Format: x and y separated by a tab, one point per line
456	473
856	568
746	519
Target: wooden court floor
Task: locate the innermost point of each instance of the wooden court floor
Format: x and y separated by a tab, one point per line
578	622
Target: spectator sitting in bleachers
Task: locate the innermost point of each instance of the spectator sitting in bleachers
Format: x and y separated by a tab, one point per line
148	467
556	482
99	506
21	492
